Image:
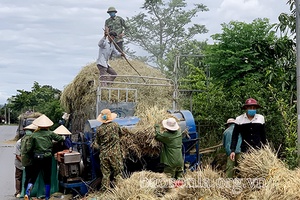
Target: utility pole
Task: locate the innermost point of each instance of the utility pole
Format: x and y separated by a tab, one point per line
298	71
8	115
5	118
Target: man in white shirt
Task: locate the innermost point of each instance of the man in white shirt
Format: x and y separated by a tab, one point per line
106	50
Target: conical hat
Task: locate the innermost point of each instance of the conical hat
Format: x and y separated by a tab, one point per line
62	130
43	121
31	127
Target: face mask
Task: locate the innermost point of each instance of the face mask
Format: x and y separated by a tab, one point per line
112	14
251	112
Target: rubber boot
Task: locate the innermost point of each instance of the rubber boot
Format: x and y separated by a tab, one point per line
47	192
28	190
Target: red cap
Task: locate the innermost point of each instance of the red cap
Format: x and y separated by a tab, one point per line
251	102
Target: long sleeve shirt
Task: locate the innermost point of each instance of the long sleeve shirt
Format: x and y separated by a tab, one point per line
108	138
106	50
118	25
41	141
171	153
252	131
227	136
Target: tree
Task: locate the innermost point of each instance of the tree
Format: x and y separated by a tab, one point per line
287	21
164	26
43	99
249	60
241	50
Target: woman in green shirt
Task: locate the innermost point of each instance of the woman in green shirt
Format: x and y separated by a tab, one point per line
171	154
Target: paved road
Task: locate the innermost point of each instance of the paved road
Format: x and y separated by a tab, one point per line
7	168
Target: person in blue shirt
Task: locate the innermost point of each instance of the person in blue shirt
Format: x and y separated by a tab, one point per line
227	136
67	143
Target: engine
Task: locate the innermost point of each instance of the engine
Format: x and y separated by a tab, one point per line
69	165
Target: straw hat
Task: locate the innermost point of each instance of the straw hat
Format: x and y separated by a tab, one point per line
106	116
43	121
170	124
62	130
30	127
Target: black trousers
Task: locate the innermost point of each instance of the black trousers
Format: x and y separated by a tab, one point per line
40	165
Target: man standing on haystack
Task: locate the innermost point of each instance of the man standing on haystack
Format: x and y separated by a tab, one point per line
106	50
116	24
171	154
108	140
251	126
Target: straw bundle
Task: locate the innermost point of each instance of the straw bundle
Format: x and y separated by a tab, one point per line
270	176
145	131
79	97
259	163
129	146
140	185
201	184
140	141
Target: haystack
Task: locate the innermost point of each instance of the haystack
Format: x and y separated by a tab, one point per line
270	177
140	185
79	97
202	184
262	177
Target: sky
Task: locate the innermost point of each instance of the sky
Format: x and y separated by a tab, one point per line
49	41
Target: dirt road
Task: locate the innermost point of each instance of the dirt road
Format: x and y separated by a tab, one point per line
7	168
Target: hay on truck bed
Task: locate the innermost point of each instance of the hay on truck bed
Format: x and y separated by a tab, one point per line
79	97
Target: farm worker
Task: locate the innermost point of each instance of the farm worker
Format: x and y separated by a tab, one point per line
116	24
41	148
227	135
171	154
108	140
18	167
106	50
67	143
25	154
251	126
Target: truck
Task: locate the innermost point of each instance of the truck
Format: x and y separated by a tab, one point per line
80	169
25	119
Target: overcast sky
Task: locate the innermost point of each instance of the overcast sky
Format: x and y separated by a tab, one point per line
49	41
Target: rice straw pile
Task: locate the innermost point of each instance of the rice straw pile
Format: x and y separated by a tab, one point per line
79	97
260	163
140	185
262	177
277	182
140	141
201	184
